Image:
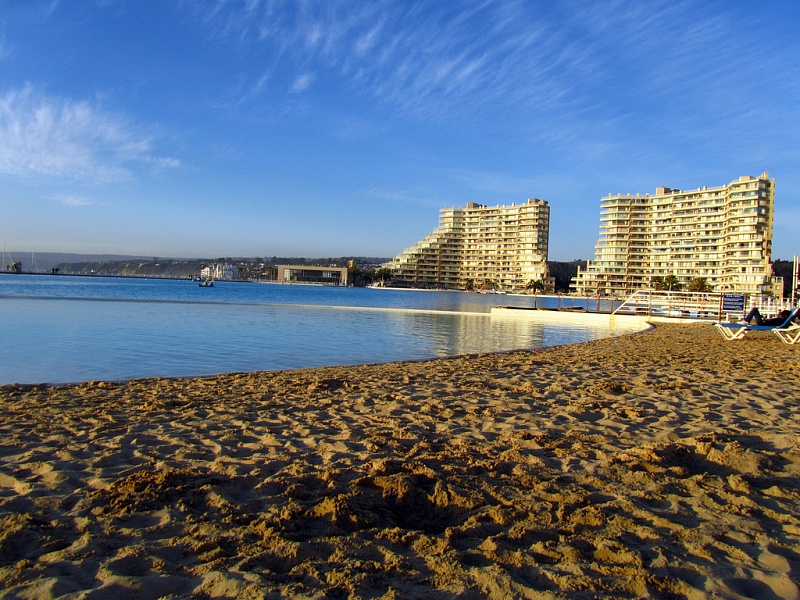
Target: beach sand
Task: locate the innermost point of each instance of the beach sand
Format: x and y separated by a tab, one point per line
662	464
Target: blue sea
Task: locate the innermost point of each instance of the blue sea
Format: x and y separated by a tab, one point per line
58	329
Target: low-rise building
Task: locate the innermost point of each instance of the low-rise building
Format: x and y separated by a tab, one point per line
312	275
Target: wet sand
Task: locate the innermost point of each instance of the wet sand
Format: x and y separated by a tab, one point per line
664	464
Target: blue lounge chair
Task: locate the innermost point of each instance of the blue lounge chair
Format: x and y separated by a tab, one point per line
736	331
790	335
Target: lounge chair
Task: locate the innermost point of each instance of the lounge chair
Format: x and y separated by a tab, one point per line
736	331
790	335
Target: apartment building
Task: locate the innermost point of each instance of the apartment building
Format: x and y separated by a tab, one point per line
220	272
504	247
722	234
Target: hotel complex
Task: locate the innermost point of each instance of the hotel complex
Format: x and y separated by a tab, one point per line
503	247
722	234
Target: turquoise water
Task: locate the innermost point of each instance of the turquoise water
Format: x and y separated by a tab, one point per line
68	329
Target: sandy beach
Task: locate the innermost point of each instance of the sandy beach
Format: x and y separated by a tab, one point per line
664	464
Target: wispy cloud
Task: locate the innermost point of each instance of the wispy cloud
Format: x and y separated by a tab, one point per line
70	200
398	196
406	55
162	163
367	41
301	83
541	68
42	135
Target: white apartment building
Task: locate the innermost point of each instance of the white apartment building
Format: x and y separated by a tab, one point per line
722	234
220	272
504	247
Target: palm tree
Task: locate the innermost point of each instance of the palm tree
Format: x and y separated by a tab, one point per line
699	284
535	286
672	283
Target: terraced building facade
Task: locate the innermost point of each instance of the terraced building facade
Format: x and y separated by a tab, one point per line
503	247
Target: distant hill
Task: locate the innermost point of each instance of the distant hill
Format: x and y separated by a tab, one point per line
564	272
149	266
136	267
44	261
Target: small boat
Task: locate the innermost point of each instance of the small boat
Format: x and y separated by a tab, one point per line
207	283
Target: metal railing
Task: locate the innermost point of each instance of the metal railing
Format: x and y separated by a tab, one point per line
697	305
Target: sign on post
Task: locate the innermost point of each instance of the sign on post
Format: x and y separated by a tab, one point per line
732	303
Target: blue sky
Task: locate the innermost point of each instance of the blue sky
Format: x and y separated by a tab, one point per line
205	128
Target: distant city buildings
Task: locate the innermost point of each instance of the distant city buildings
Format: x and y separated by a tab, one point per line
722	234
502	247
219	272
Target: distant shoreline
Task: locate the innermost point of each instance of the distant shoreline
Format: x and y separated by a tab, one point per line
188	278
106	275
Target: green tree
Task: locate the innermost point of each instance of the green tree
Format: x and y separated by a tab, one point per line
669	283
535	286
672	283
699	284
469	285
356	277
383	274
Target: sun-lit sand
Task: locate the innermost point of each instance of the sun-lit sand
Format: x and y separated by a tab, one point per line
663	464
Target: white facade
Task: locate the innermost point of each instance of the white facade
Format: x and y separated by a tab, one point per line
219	272
502	246
721	234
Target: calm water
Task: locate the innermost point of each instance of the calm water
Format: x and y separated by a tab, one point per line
66	329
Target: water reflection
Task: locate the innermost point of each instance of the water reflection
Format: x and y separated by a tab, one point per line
450	334
57	340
